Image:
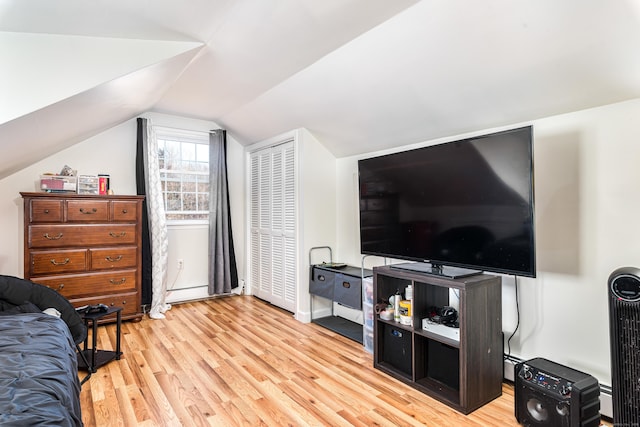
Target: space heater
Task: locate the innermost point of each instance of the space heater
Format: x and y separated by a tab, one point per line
624	331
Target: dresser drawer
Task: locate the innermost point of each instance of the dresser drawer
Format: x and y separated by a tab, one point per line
74	286
51	236
113	258
46	210
124	211
58	261
87	210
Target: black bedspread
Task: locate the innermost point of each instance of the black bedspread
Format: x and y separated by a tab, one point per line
38	372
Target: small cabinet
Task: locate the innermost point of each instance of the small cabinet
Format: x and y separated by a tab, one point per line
461	367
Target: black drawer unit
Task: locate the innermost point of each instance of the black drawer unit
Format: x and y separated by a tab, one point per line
342	285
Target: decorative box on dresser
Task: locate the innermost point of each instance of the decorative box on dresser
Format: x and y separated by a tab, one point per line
88	248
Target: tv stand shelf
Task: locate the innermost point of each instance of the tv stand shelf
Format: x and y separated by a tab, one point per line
464	374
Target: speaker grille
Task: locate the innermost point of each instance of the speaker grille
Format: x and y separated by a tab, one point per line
624	312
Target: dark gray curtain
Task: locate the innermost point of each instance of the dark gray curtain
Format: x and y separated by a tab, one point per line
142	190
223	273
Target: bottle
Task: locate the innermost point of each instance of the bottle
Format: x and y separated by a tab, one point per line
396	306
408	294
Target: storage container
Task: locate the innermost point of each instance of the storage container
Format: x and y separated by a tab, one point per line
58	183
88	184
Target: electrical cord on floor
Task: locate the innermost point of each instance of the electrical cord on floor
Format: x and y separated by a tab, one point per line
515	278
175	279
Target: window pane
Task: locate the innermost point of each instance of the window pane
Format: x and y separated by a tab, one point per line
203	202
188	151
189	201
172	155
202	153
203	187
174	184
188	185
173	201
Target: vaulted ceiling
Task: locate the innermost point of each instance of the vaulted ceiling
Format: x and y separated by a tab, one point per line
361	75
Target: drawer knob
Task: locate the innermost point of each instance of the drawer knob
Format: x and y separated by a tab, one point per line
118	282
124	211
66	261
112	259
58	237
46	211
88	212
346	285
60	286
121	234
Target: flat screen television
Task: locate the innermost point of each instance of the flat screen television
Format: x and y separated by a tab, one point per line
458	208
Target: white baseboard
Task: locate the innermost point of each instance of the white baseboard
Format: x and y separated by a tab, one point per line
187	294
606	400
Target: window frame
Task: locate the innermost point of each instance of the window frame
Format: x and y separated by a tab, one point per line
183	136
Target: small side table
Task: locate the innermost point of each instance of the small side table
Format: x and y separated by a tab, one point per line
90	358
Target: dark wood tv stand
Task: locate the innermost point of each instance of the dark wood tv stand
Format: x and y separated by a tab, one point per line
464	372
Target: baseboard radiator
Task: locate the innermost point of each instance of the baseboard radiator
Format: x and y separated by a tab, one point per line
606	399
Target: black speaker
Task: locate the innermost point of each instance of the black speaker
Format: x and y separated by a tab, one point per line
624	337
552	395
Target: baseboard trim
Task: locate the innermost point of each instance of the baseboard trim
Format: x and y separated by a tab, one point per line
606	400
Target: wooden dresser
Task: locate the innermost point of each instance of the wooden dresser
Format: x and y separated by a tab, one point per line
88	248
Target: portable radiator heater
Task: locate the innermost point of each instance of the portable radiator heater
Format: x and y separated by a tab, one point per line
624	331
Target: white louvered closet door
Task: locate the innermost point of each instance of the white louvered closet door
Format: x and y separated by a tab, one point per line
273	225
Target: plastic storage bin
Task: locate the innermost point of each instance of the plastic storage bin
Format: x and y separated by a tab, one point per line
368	314
88	184
58	183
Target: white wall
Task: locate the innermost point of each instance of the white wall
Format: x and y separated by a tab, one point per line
587	185
317	196
114	152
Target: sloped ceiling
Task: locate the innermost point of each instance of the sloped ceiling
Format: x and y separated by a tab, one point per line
362	75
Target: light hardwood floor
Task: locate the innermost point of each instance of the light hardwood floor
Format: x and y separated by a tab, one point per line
239	361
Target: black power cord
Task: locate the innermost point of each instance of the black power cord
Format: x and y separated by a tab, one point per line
515	278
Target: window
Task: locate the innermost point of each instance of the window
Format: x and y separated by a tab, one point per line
184	173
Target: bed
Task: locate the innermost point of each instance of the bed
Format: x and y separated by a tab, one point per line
39	331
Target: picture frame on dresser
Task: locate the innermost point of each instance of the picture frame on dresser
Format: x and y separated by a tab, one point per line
86	247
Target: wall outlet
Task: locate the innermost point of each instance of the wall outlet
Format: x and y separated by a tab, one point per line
180	264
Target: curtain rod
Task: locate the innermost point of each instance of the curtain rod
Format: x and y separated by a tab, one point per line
186	130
